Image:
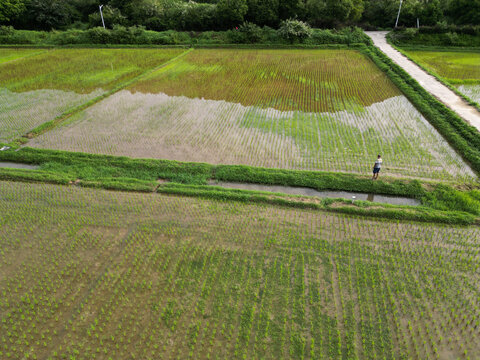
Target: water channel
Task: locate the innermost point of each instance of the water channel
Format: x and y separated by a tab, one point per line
394	200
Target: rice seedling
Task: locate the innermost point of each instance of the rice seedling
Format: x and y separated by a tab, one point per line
218	132
471	91
7	54
71	77
90	273
461	69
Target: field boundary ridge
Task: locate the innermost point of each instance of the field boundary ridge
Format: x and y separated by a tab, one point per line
143	175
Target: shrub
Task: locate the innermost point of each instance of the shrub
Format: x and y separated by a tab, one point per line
99	35
6	30
451	38
410	33
294	30
251	32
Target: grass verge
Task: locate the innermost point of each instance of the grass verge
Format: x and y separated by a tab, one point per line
126	174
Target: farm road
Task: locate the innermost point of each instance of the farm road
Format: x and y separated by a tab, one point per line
429	83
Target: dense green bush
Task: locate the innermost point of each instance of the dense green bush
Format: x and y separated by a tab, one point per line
447	198
294	30
440	35
246	33
251	33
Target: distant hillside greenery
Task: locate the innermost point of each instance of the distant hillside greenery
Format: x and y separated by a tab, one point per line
204	15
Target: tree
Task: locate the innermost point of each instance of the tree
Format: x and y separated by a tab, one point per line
430	12
112	16
465	11
381	13
332	12
10	9
288	9
263	12
230	13
49	14
294	30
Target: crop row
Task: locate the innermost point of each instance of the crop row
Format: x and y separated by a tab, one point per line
219	132
95	274
69	76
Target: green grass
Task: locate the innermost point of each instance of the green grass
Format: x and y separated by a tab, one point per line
92	273
190	179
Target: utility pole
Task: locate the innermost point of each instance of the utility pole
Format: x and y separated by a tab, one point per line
398	16
101	14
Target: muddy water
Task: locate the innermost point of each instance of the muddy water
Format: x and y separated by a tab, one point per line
394	200
18	166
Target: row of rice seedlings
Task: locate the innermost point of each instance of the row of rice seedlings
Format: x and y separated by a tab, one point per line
471	91
69	76
305	80
179	128
144	275
22	112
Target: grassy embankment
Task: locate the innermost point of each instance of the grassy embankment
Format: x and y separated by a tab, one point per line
441	203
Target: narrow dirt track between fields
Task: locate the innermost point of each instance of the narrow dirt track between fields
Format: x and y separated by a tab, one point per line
429	83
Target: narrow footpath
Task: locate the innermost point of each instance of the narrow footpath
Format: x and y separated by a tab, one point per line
467	112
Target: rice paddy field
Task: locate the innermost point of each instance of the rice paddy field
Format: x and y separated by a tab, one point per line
38	85
90	274
331	110
87	273
461	69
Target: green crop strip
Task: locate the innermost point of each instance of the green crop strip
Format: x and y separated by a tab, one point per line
80	70
455	67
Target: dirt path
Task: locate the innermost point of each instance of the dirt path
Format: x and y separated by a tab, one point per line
429	83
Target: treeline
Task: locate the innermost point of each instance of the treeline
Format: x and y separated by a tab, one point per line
437	36
290	32
203	15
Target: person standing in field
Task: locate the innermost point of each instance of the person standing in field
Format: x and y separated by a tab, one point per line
376	167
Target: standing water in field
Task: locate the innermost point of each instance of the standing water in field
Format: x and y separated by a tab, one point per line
292	190
218	132
12	165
